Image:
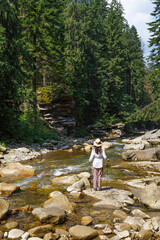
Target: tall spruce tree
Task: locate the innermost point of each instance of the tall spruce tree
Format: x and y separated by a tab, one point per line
154	28
43	34
83	27
135	67
10	70
113	62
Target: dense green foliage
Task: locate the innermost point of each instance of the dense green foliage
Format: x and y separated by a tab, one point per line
83	48
147	117
11	75
154	28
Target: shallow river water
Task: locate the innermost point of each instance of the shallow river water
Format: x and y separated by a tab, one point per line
59	163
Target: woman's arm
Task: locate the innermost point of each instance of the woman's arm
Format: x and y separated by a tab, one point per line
91	156
104	155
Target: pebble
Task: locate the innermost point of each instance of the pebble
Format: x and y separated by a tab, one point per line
25	235
15	233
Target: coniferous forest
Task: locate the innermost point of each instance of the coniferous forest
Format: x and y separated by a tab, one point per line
84	48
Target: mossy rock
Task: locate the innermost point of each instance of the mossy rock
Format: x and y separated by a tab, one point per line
47	94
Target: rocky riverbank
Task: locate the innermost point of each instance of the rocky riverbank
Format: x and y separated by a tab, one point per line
23	152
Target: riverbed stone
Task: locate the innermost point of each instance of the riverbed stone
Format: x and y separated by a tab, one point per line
50	215
23	150
8	188
133	221
4	208
151	154
11	225
3	149
101	226
123	234
139	213
84	174
107	230
145	234
50	236
86	220
40	231
142	182
156	223
61	232
120	214
55	194
25	236
17	170
148	225
134	146
15	233
77	186
65	180
60	201
86	182
112	198
149	195
83	232
122	227
87	148
115	238
107	145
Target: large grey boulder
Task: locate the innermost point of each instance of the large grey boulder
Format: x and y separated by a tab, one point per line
50	215
112	198
60	201
17	170
153	134
149	195
65	180
4	208
134	146
82	232
142	182
152	154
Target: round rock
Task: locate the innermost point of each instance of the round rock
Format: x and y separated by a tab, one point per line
4	207
40	231
83	232
50	215
15	234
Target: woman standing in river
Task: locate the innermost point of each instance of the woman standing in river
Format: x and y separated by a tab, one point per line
97	156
